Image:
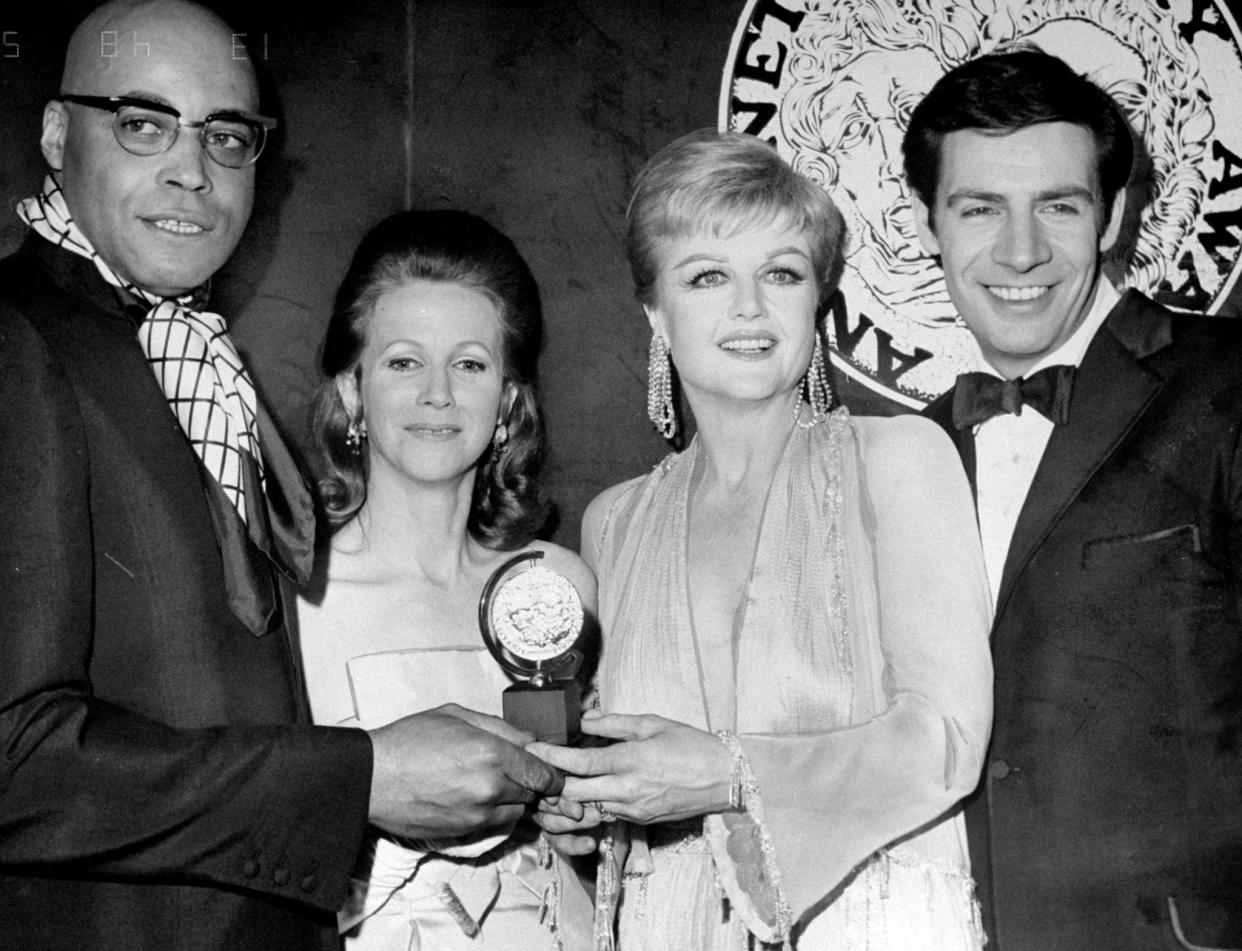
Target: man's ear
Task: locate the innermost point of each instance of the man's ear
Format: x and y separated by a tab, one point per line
1116	215
347	389
923	225
55	127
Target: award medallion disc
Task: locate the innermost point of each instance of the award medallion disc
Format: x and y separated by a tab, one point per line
531	618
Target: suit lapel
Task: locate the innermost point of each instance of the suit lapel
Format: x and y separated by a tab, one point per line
1112	390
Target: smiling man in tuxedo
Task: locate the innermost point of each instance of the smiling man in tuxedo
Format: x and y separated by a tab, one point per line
1101	433
160	785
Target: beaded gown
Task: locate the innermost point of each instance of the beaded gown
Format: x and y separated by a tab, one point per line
861	688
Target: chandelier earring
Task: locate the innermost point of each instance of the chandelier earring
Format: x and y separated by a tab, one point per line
814	389
660	388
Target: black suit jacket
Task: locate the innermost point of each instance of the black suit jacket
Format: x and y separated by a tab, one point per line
159	788
1110	812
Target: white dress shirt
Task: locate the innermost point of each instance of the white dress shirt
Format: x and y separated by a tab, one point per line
1008	447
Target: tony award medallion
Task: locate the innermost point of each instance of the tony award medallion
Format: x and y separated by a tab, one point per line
531	618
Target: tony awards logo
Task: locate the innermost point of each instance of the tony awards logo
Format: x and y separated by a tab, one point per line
531	619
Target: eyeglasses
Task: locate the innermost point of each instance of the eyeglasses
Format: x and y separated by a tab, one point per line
141	127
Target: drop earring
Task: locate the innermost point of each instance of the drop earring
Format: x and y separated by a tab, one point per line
355	436
814	389
500	440
660	408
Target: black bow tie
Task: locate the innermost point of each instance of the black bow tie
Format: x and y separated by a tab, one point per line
977	397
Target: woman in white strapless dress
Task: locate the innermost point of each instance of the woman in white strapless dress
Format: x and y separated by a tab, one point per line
431	441
794	610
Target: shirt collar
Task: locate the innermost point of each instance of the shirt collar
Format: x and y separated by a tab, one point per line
1072	351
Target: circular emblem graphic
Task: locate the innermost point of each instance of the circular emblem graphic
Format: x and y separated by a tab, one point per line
831	83
536	614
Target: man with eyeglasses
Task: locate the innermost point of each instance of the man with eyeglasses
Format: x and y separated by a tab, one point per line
232	139
159	784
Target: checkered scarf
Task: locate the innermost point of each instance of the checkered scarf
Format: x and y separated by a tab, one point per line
189	350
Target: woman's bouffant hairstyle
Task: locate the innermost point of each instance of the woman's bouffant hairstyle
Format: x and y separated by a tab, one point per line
725	183
453	247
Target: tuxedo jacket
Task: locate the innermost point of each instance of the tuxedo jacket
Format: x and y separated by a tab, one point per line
159	785
1109	815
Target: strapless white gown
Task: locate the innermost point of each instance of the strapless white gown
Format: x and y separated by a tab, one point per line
500	892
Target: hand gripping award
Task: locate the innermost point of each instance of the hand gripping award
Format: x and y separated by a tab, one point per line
531	618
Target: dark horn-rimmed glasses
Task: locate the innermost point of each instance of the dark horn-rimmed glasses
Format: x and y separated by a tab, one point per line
142	127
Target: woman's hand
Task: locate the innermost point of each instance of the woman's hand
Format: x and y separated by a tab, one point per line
660	770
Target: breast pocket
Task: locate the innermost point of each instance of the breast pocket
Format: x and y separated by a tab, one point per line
1160	545
1166	569
1159	577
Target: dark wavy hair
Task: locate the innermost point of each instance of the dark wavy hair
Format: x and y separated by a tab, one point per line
509	506
1008	91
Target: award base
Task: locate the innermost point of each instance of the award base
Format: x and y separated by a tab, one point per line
551	712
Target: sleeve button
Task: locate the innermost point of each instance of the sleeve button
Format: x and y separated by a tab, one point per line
281	876
309	883
250	869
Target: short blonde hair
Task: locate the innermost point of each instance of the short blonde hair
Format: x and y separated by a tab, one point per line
723	183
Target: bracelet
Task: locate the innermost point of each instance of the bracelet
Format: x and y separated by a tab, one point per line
744	795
